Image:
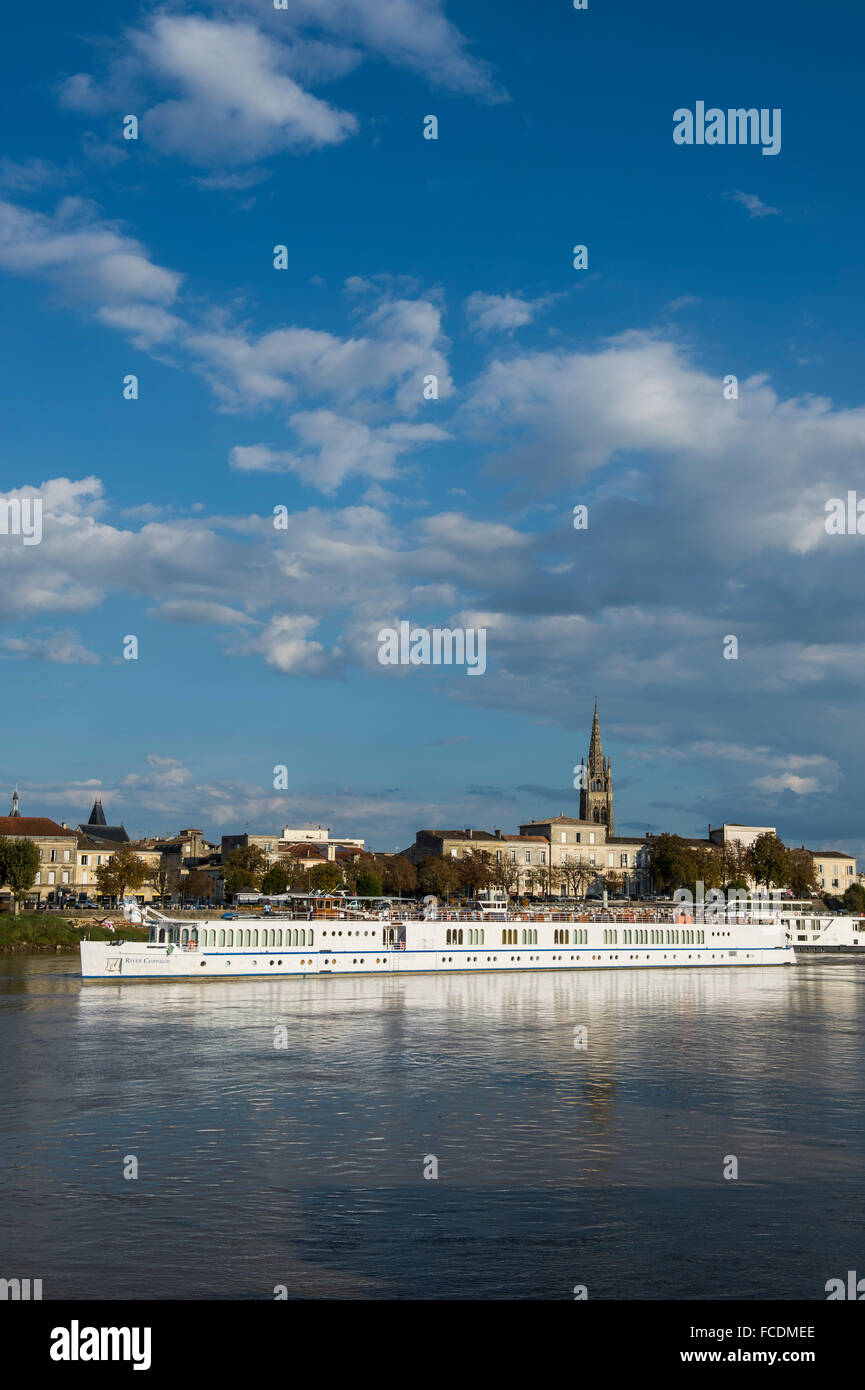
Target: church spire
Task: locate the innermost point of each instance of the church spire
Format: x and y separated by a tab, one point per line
15	810
97	815
596	748
596	797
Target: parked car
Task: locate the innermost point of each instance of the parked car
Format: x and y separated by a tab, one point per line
229	917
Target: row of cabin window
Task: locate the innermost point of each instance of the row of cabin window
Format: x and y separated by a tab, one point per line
562	937
454	936
638	936
269	937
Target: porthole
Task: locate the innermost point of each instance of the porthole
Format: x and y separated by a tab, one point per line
204	962
272	962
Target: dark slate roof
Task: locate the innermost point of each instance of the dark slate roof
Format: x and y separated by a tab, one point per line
114	834
97	815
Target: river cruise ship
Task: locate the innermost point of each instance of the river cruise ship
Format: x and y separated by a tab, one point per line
812	933
334	938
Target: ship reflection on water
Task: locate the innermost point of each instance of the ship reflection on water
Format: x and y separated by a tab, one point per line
281	1128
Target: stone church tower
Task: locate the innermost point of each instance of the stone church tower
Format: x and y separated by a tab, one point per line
596	792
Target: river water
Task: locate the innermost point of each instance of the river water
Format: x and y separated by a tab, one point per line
281	1131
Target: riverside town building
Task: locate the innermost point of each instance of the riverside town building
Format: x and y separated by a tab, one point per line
568	856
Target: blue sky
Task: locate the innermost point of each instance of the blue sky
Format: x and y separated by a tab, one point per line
304	388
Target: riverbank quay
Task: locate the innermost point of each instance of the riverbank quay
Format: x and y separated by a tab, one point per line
33	932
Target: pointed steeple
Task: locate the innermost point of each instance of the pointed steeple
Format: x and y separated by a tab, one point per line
596	749
596	799
14	811
97	815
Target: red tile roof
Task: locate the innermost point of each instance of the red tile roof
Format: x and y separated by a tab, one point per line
19	826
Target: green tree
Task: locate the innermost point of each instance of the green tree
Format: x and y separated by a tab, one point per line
770	861
244	870
124	870
398	874
672	863
802	879
369	885
326	876
854	899
19	865
475	872
275	880
437	874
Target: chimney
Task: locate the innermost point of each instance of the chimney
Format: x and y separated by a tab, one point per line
468	833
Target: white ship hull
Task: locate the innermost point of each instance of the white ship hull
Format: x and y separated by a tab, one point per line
378	947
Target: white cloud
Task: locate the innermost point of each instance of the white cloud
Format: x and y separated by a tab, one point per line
338	447
502	313
62	646
285	645
86	257
403	343
755	206
194	611
236	104
235	86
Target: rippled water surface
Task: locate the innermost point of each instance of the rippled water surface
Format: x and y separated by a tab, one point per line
303	1165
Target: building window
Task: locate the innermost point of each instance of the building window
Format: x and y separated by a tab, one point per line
498	856
67	855
543	856
65	876
564	836
38	878
579	837
528	856
53	856
84	859
591	859
51	876
624	861
591	837
513	856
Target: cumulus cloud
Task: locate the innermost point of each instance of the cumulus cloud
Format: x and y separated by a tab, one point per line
106	264
233	89
337	447
402	342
